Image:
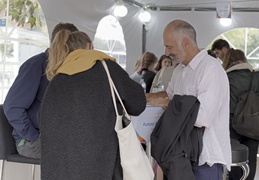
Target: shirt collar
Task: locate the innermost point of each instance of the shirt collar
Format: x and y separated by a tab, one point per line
197	59
174	63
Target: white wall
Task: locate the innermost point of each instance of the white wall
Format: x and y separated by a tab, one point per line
206	24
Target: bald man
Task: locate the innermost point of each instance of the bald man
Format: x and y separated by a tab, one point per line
202	76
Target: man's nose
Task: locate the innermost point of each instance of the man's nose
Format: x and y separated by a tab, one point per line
167	52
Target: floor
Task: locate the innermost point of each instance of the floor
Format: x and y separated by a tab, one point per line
28	172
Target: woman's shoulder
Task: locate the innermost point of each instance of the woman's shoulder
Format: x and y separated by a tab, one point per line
240	67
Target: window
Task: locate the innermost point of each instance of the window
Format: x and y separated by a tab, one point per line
109	38
18	41
245	39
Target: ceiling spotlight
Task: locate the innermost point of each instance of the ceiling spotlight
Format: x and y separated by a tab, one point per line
144	16
120	10
225	21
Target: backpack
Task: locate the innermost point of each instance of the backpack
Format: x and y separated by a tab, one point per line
246	115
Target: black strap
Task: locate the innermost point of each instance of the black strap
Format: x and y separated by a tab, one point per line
252	82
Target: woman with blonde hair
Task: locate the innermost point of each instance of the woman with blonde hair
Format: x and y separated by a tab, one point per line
77	115
239	74
62	46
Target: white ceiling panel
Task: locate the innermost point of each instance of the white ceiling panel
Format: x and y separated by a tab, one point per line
244	4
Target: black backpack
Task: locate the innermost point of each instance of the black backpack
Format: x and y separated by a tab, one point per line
246	116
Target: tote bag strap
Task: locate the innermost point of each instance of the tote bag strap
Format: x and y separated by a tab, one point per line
113	89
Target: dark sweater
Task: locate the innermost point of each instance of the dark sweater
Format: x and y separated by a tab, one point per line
23	100
148	77
77	121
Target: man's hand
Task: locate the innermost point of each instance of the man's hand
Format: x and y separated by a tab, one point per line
160	102
159	99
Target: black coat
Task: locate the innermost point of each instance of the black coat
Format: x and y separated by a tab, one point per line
239	82
148	77
239	77
175	143
77	119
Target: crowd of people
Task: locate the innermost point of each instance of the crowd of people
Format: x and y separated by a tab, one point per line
61	109
238	70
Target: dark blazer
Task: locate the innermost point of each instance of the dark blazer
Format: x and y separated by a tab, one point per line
175	143
77	120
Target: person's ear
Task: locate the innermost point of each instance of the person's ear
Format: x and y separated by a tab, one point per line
225	50
91	47
185	42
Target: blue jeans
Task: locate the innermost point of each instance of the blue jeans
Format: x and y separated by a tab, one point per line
206	172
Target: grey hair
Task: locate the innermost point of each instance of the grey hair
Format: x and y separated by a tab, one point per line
186	29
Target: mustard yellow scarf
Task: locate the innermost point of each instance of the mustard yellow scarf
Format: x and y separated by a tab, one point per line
81	60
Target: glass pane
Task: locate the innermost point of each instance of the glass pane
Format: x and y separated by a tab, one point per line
18	40
109	38
245	39
8	74
3	93
7	51
27	50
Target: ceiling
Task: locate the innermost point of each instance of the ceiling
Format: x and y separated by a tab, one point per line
86	15
199	5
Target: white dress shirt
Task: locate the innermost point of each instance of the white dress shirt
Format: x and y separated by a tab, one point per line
205	79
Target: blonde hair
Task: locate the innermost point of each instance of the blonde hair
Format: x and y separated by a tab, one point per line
64	43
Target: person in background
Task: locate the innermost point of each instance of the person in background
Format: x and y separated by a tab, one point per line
146	70
77	115
164	75
212	53
164	61
220	47
202	76
24	97
138	63
239	75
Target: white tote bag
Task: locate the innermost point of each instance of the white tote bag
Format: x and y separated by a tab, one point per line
134	160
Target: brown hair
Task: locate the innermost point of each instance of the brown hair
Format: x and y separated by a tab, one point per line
232	57
220	44
145	60
148	59
60	26
159	64
64	43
